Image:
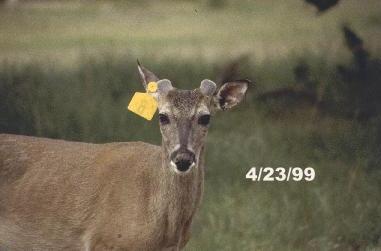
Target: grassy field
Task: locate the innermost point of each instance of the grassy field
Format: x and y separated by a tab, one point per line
181	29
68	71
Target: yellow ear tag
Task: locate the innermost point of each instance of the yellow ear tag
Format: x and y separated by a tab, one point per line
143	104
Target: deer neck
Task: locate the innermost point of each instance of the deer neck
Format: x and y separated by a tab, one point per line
183	193
187	185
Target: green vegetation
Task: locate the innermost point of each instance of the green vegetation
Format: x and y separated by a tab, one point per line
80	73
60	31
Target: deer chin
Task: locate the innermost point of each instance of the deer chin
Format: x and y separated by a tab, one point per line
177	171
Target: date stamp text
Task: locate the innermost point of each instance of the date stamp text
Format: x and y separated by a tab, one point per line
281	174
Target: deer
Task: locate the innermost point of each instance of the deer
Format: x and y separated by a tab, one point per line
62	195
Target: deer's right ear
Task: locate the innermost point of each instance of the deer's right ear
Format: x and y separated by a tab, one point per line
146	76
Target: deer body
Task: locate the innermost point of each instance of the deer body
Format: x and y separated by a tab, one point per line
91	182
60	195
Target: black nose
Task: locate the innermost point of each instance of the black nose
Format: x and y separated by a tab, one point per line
183	165
183	159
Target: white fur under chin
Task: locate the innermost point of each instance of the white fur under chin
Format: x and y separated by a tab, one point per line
174	168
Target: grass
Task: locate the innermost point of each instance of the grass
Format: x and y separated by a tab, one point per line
338	211
63	31
68	71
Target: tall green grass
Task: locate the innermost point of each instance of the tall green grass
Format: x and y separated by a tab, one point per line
62	30
339	210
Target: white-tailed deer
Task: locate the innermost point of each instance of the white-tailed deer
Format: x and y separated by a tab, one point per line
60	195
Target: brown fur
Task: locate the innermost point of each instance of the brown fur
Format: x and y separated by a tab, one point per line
59	195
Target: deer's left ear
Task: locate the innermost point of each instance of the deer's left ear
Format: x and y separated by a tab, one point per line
230	94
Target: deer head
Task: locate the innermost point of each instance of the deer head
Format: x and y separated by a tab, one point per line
184	116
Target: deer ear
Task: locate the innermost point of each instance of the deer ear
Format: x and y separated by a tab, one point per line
146	76
231	93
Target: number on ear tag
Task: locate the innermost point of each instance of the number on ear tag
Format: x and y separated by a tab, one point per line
143	104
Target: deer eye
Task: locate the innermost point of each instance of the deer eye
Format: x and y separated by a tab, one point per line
204	120
163	119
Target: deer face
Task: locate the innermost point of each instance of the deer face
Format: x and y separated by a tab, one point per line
185	115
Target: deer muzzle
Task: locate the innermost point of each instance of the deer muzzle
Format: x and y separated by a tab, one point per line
183	160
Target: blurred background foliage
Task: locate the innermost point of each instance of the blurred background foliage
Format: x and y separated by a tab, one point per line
68	70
